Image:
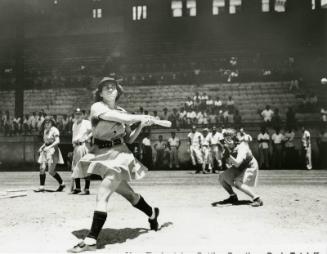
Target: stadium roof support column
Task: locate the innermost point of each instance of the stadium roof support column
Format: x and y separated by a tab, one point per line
19	58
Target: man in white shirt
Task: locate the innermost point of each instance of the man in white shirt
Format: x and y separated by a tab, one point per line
263	139
277	140
82	133
195	139
243	136
173	146
206	151
267	115
146	151
290	153
306	147
216	148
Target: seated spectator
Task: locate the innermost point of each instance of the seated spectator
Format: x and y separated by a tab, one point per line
191	117
203	100
196	97
33	121
267	115
182	117
165	114
237	119
218	104
290	118
26	125
323	113
155	115
40	120
276	119
17	124
209	104
199	117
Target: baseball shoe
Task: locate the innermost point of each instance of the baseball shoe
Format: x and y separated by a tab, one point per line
231	200
61	188
154	225
39	190
76	191
81	247
257	202
86	192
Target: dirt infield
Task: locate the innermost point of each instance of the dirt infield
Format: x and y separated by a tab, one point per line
293	215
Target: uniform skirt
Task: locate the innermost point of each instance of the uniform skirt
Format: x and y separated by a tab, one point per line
53	156
78	153
116	162
248	176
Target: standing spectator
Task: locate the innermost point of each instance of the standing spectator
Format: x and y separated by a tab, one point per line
26	125
174	118
203	101
306	147
209	104
290	153
290	118
8	124
243	136
160	147
17	125
189	103
173	146
33	121
64	124
182	117
165	114
263	139
199	117
267	115
191	117
237	119
323	113
146	151
230	104
277	140
195	140
276	119
40	120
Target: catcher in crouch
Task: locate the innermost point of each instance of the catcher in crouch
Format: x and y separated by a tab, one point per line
242	169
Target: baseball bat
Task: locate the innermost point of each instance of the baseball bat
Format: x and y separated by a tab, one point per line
163	123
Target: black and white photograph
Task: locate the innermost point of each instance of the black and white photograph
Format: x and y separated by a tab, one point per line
163	126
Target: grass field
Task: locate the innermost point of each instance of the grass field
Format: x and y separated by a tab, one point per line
293	218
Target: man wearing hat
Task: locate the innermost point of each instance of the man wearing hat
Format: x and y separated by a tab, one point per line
82	133
206	143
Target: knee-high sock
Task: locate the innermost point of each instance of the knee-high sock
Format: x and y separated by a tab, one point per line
42	179
58	178
77	183
99	218
143	206
87	183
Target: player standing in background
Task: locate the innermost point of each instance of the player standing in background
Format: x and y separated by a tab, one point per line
195	139
306	147
242	169
82	133
50	154
173	145
111	159
206	151
243	136
216	149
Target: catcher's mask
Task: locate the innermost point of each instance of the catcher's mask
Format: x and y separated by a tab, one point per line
230	138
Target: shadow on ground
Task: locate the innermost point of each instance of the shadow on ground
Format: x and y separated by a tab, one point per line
238	203
112	236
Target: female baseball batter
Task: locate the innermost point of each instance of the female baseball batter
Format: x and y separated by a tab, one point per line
242	171
50	154
112	160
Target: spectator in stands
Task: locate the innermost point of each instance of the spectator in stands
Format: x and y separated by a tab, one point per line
263	139
182	117
276	119
146	151
173	146
33	121
237	119
290	118
165	114
218	104
203	101
64	124
294	85
323	113
26	125
174	118
55	118
196	97
155	115
17	125
226	117
1	120
8	124
277	141
199	117
313	101
141	111
160	147
209	104
322	145
290	152
230	104
189	103
191	117
242	136
306	148
40	120
267	115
